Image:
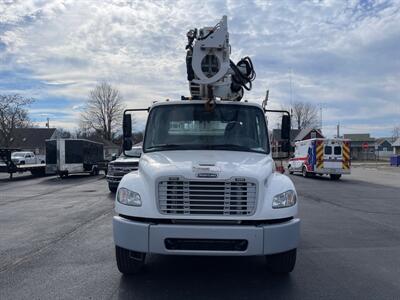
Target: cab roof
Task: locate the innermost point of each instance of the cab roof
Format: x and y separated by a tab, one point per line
217	102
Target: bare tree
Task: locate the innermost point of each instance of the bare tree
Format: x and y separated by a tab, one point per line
103	110
62	133
13	114
305	114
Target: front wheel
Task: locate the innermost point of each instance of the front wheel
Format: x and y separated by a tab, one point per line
304	172
282	262
112	188
290	171
94	172
129	262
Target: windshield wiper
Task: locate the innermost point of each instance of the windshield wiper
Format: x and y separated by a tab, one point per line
165	147
234	147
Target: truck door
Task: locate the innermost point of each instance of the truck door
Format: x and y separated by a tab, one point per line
333	155
29	159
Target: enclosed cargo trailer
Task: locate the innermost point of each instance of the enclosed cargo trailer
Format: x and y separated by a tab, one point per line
70	156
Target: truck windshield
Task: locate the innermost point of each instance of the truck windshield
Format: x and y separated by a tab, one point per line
191	127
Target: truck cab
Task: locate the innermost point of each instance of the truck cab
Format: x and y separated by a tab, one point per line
206	185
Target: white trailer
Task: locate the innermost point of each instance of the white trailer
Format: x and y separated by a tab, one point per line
321	156
70	156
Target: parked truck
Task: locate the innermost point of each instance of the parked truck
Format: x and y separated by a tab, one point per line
71	156
121	166
27	158
320	156
17	161
206	183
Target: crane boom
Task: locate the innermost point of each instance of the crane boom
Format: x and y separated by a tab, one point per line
210	71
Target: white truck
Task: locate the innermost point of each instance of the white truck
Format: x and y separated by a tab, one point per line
206	183
26	158
320	156
17	161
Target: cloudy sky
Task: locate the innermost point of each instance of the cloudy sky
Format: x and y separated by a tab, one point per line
341	55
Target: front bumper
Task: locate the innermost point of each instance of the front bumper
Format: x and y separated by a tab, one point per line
152	238
332	171
114	179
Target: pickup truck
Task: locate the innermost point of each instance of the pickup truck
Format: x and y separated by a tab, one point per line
17	161
26	158
122	166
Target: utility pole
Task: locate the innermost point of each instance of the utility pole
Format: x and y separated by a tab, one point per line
291	103
48	123
337	130
321	106
320	116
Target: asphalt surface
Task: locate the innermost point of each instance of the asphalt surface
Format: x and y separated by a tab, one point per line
56	243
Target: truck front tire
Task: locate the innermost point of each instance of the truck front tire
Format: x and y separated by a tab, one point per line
304	172
282	262
290	171
129	262
112	188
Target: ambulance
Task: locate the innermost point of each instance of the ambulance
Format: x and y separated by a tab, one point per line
321	156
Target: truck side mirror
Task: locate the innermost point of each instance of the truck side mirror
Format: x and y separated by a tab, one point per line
127	144
285	127
127	126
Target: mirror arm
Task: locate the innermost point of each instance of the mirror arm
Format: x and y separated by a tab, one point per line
278	111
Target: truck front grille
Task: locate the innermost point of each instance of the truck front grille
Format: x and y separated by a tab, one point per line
191	197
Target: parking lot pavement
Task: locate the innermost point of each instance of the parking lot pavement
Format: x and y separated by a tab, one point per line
381	174
56	242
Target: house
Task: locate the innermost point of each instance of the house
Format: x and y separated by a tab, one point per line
362	146
383	148
277	142
308	133
396	146
32	139
295	135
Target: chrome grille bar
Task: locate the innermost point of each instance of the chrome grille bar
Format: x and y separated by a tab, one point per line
191	197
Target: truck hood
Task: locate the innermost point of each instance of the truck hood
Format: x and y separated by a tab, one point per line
201	164
125	160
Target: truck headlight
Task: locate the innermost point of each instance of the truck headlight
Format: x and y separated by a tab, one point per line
285	199
128	197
